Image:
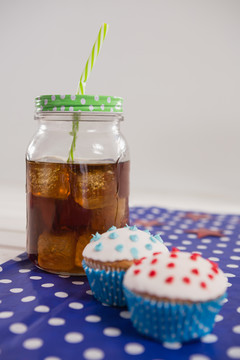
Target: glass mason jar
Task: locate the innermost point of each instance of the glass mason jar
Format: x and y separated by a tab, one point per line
77	179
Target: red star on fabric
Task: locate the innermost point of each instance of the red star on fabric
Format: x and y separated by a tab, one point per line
196	217
202	232
146	223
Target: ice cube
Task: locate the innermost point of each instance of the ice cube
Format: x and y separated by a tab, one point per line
96	188
49	180
104	218
83	240
57	252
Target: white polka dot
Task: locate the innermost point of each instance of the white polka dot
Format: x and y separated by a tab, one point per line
235	257
70	108
92	318
77	282
125	314
45	101
73	337
236	250
236	329
234	352
206	241
62	108
102	107
17	258
75	305
62	97
16	290
96	97
93	354
167	243
173	237
42	308
52	358
191	236
218	318
53	97
172	346
28	298
112	332
109	100
186	242
228	232
166	227
213	258
18	328
22	271
210	338
234	266
55	108
225	238
5	281
134	348
202	247
6	314
56	321
1	269
83	101
35	277
237	243
73	97
229	275
181	247
91	108
217	251
61	294
89	292
178	231
33	343
199	357
47	285
238	309
221	245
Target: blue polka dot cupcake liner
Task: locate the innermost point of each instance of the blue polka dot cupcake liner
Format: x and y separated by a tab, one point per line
170	321
106	285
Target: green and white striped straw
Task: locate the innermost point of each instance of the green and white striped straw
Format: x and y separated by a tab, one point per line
83	80
92	58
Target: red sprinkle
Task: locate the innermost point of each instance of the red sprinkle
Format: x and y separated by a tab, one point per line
154	261
203	285
174	249
215	269
171	265
186	280
152	273
137	271
169	279
213	263
193	257
195	271
173	255
210	276
137	262
156	253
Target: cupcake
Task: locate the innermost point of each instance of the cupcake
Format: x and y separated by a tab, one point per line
174	297
107	257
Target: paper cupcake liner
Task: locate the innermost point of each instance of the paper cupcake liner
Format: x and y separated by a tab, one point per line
106	285
170	321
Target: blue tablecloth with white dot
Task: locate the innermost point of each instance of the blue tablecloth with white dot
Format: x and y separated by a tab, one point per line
50	317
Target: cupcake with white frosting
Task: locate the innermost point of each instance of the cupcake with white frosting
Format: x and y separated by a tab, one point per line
107	257
174	297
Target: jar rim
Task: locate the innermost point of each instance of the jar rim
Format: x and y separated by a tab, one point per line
75	103
78	116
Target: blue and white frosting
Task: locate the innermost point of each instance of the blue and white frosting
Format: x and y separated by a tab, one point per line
126	243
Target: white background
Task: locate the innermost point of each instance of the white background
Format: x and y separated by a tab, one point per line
177	65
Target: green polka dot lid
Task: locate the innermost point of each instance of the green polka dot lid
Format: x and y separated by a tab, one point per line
128	243
71	103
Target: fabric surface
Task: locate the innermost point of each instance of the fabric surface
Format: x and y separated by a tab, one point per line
50	317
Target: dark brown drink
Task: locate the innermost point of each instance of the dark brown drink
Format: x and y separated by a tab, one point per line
67	203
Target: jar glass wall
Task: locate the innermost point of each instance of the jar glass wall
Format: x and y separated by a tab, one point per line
68	201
